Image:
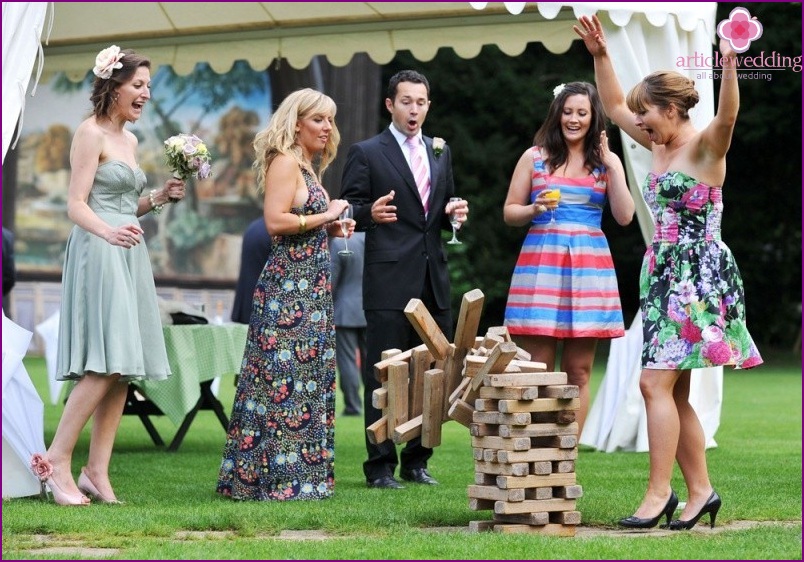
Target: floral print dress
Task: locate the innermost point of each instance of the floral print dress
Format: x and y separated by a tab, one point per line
280	442
691	293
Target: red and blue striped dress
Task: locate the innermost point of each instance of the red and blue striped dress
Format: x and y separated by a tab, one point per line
564	284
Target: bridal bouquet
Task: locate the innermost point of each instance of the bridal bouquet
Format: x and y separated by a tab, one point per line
187	156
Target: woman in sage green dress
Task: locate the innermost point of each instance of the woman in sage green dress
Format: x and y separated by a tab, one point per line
109	331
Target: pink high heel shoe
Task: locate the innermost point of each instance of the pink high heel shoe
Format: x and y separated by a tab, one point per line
44	470
87	487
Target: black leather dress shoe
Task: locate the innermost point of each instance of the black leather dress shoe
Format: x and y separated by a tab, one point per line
384	482
418	475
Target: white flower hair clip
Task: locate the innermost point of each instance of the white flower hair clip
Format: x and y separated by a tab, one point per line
557	90
107	61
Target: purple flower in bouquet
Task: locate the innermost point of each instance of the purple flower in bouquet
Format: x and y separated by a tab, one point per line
187	156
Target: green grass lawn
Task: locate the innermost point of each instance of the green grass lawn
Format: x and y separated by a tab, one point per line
173	512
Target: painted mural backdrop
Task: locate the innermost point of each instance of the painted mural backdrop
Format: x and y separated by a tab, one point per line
198	238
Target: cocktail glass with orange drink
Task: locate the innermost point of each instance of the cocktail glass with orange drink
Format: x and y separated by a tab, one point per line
552	194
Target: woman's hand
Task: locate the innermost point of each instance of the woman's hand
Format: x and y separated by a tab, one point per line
727	54
126	236
592	35
174	190
335	208
606	155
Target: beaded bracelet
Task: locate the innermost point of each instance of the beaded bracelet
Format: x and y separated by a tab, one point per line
302	224
154	207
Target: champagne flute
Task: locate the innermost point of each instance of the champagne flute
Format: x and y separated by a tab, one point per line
345	218
553	194
453	220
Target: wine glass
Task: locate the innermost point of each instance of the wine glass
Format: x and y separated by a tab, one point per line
453	220
345	218
555	195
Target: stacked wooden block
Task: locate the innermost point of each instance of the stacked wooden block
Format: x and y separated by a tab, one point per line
524	439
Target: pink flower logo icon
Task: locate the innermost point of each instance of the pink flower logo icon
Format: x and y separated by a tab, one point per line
740	29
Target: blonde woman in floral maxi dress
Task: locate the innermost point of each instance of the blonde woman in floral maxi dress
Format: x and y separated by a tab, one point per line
280	441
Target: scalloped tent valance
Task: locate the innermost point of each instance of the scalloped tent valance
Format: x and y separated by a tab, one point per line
182	34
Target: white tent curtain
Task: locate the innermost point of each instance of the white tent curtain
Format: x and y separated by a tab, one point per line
23	415
23	24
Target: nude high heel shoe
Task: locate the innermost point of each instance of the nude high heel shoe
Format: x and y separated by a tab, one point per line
44	470
87	487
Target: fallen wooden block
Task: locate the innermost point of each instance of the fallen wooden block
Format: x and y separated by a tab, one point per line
408	430
398	374
378	431
426	327
433	408
501	356
461	412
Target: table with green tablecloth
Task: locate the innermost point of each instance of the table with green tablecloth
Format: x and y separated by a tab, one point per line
197	354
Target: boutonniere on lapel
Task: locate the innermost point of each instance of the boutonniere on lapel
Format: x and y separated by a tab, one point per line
438	146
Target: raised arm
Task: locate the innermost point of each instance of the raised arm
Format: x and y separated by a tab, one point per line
716	137
611	93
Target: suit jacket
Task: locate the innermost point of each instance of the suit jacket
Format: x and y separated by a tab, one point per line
254	253
347	281
399	254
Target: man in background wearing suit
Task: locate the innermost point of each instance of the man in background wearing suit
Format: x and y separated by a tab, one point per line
350	322
253	255
400	188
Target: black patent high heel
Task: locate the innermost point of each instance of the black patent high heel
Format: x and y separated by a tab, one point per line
712	506
647	523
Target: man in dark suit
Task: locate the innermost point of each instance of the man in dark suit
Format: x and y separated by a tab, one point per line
253	255
400	189
350	322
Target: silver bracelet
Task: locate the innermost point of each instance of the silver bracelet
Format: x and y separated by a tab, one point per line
154	207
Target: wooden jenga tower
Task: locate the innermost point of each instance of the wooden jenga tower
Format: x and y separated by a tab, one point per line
524	439
521	418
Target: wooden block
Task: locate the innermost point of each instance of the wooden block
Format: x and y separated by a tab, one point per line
478	342
524	379
533	367
472	365
541	467
469	394
509	392
535	455
566	517
515	444
453	375
497	418
491	340
560	441
523	355
569	492
379	398
420	361
378	431
490	455
481	526
482	429
482	351
501	355
561	391
398	374
477	453
562	416
461	412
432	408
408	430
498	468
536	481
391	356
458	390
469	319
538	405
563	466
426	327
486	405
483	479
534	506
539	493
479	505
540	518
500	331
494	493
539	430
549	530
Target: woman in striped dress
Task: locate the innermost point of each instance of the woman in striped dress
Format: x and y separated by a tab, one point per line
564	286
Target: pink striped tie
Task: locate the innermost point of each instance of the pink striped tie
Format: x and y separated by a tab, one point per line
419	172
